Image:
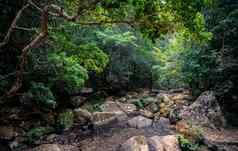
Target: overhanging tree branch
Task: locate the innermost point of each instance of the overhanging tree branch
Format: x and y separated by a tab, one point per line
13	26
56	11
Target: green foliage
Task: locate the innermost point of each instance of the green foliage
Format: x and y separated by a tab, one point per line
86	54
36	133
198	67
130	55
42	95
139	103
168	73
68	69
92	58
64	120
222	20
184	60
137	38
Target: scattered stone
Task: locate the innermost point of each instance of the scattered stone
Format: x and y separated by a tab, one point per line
140	122
164	143
136	143
54	147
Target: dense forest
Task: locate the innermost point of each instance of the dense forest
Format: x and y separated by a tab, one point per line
126	75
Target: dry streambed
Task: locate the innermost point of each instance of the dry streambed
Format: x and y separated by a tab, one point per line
140	121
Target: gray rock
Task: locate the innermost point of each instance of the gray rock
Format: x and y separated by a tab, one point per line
82	116
164	122
104	118
205	111
164	143
117	107
136	143
139	122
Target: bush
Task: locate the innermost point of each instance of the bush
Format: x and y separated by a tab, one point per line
42	96
64	121
186	145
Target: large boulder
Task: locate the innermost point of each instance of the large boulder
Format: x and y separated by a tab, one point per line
205	111
106	118
164	143
140	122
225	140
82	116
136	143
155	143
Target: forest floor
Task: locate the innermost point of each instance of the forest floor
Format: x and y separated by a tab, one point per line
137	113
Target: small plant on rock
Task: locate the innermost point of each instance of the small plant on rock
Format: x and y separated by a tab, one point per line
186	144
64	121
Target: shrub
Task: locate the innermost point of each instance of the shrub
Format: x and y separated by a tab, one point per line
64	121
42	96
186	145
68	69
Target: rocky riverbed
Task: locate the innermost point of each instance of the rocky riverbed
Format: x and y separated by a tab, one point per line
145	120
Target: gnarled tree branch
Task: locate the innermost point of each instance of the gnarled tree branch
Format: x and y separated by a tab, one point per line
13	25
23	58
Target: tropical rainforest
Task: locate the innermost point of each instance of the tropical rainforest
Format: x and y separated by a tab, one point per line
127	75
